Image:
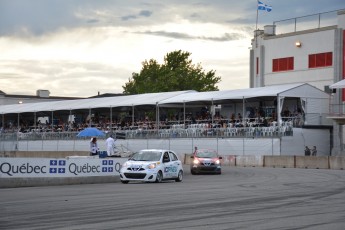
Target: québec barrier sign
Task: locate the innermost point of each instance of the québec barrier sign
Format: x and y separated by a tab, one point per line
62	167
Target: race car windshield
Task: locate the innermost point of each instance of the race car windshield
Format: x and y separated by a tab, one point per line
206	154
146	156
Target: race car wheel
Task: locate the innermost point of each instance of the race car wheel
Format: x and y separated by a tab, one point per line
179	176
124	181
159	177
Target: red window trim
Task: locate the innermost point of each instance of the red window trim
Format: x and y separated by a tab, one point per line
320	60
283	64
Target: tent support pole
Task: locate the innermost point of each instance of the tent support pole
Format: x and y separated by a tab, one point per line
35	120
132	115
243	113
111	120
212	111
157	117
278	110
52	121
70	123
18	125
184	114
90	117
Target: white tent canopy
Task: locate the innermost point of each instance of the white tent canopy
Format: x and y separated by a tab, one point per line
91	103
289	90
338	85
169	98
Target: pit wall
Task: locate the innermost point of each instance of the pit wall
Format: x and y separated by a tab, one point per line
44	154
307	162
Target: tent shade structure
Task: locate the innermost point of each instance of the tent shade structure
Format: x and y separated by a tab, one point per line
338	85
171	99
288	90
91	132
91	103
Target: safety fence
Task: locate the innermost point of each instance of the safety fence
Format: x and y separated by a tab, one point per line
177	131
313	21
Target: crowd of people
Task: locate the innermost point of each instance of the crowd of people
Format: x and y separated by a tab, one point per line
254	117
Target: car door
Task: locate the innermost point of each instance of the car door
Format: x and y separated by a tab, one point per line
176	164
168	166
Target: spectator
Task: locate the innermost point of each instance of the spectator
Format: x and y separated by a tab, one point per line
307	151
110	143
93	147
314	151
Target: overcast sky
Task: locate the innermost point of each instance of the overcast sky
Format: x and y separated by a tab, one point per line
82	47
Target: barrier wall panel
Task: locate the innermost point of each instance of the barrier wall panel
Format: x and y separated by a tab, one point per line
249	161
337	162
45	154
312	162
229	160
187	159
279	161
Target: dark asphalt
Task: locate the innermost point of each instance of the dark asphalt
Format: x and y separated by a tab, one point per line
240	198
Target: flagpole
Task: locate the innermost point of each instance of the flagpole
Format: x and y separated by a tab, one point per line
257	15
256	26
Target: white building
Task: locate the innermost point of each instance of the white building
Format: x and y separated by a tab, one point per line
308	49
42	95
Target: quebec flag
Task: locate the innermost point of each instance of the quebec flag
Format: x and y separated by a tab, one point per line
262	6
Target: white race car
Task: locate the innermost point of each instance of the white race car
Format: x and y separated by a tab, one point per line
152	165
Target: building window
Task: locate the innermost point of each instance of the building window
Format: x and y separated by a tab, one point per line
320	60
283	64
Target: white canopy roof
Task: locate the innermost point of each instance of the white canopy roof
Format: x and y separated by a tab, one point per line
290	90
104	102
338	85
169	98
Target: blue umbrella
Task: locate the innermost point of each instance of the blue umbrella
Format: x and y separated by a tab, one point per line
90	132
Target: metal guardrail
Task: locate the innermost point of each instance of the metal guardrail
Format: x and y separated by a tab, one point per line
235	132
313	21
337	110
196	131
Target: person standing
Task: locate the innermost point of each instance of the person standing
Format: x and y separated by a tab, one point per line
314	151
110	143
307	151
93	147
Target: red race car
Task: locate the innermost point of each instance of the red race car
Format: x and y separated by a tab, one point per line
205	161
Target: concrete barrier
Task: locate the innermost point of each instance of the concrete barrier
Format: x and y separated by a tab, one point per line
44	154
228	160
307	162
279	161
187	159
249	161
36	182
337	163
312	162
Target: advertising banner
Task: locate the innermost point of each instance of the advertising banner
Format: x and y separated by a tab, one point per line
64	167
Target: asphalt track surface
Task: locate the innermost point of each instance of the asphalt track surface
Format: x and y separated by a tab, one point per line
240	198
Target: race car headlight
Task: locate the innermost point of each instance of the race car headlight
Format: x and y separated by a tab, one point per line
152	166
125	165
196	162
217	162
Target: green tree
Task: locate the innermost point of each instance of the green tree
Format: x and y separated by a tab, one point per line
175	74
